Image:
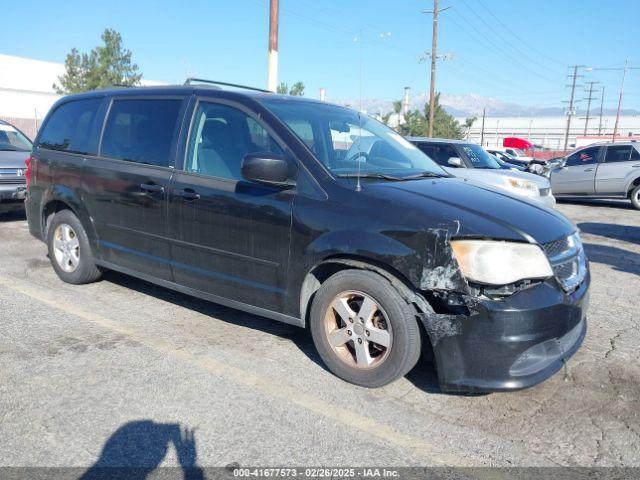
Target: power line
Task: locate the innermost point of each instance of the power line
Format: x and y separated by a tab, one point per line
507	43
506	27
492	45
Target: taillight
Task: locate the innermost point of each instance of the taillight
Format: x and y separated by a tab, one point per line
27	172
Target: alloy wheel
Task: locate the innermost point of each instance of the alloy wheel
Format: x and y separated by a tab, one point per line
358	330
66	247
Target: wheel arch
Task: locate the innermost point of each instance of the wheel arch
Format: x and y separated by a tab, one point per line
334	264
59	198
633	184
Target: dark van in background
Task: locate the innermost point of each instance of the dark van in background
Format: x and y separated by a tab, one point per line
311	214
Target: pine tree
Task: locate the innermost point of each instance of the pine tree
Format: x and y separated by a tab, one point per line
105	66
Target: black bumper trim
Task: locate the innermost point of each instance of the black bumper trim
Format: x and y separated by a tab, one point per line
477	352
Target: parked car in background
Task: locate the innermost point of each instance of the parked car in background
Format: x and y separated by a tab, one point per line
472	162
508	166
529	164
610	170
15	147
505	157
513	153
270	204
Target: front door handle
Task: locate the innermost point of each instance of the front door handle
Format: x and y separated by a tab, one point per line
152	188
189	194
589	169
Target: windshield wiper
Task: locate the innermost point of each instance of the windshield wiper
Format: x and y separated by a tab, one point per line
425	175
380	176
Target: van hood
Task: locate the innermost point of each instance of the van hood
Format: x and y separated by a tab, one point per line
13	159
471	210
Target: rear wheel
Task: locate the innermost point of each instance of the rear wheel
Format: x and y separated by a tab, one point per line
635	197
69	250
364	331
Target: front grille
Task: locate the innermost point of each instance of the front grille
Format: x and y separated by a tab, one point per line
553	249
12	176
544	191
568	261
12	181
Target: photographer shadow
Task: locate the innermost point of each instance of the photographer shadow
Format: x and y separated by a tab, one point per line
137	448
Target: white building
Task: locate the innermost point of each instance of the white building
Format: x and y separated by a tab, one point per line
26	90
550	131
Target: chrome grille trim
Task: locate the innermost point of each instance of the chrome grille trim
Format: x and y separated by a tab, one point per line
13	181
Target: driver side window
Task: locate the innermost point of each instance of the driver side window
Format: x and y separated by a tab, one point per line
586	156
221	136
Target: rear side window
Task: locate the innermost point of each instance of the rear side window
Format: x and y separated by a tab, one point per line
141	131
618	153
72	127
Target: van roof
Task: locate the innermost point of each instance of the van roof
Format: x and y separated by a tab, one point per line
191	89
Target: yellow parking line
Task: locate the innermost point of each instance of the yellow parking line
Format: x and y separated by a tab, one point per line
287	393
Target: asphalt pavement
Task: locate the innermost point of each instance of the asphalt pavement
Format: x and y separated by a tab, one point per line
122	372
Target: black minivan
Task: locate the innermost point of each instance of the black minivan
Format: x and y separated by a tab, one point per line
311	214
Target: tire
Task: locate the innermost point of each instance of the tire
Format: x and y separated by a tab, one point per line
634	196
393	322
69	250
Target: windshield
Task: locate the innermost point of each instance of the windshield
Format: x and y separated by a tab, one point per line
479	157
12	139
349	143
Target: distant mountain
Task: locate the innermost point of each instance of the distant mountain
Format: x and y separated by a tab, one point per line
470	105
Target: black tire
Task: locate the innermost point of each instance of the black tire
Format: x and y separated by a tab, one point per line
85	270
404	351
634	196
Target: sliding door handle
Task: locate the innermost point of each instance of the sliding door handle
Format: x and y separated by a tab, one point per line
189	194
152	188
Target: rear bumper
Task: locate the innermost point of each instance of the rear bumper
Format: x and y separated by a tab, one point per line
34	216
514	343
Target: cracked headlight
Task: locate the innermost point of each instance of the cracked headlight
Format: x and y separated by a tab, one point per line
500	263
523	186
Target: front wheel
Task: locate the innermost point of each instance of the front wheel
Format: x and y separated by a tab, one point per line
69	250
364	331
635	197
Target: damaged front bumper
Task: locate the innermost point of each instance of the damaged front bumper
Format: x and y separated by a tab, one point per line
509	344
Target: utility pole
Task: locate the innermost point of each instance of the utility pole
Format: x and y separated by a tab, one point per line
589	99
272	82
601	105
624	76
624	69
571	102
434	58
484	113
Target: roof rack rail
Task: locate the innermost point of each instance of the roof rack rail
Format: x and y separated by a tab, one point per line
192	80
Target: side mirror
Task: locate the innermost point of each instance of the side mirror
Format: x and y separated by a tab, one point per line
266	168
455	162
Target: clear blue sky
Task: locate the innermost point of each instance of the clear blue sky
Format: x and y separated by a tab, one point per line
514	50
